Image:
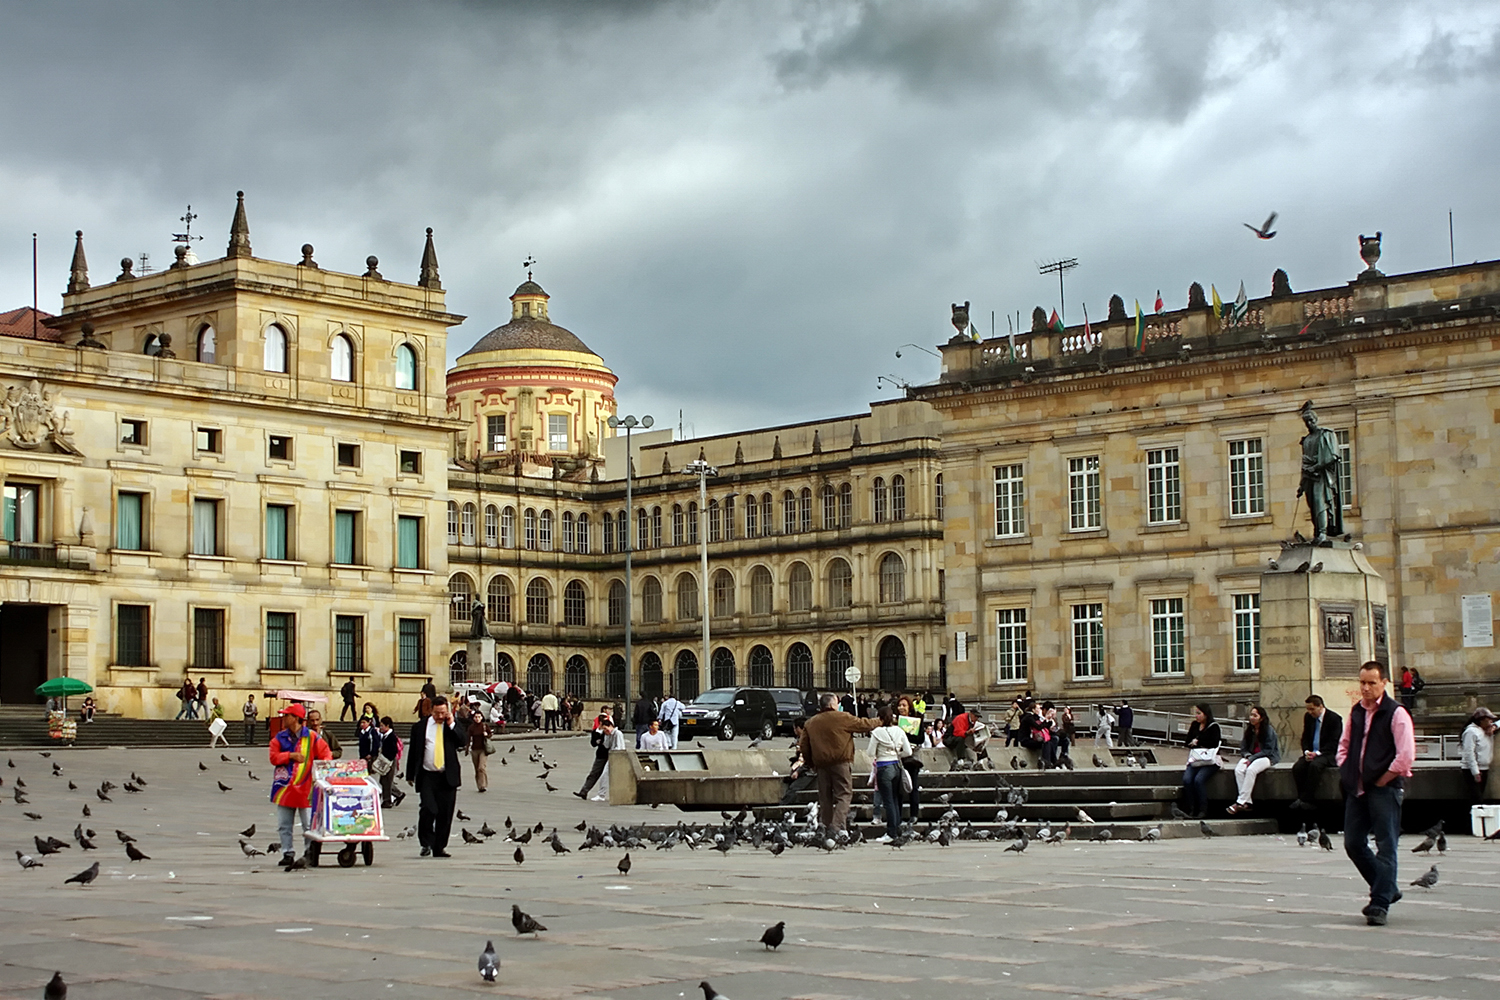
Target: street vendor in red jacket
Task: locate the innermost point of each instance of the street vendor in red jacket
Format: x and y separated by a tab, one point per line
293	751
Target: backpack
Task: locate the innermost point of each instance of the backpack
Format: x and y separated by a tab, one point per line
1417	683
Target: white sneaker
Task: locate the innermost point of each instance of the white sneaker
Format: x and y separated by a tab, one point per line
884	838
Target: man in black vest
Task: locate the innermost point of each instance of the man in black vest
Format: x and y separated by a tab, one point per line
434	765
1375	757
1321	731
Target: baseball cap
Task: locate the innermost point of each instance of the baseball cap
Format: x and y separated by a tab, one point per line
1483	713
294	709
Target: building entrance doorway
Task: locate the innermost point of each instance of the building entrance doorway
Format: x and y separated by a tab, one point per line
892	665
23	652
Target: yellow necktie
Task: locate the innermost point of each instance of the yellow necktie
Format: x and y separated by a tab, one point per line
437	746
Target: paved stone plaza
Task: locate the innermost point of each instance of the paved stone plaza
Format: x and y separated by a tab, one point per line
1246	917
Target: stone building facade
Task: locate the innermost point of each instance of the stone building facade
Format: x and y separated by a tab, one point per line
1110	509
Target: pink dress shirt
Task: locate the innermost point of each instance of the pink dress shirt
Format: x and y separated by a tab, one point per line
1402	733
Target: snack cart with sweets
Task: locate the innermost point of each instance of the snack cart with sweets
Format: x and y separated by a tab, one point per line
345	810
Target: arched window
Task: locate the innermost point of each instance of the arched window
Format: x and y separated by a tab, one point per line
460	596
498	598
538	602
539	674
508	528
567	531
576	677
528	527
804	510
766	526
892	664
406	368
614	677
651	600
830	499
687	597
656	527
762	667
677	524
892	579
721	668
505	668
840	584
581	543
208	345
642	527
840	659
752	517
713	520
467	524
937	497
788	512
761	592
898	498
687	675
729	519
544	532
799	667
846	505
616	603
452	522
692	523
274	356
799	587
609	533
575	604
651	679
491	525
341	359
878	488
723	594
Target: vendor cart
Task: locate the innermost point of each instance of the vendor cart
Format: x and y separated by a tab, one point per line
345	811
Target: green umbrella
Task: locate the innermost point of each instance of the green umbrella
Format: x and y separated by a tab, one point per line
63	686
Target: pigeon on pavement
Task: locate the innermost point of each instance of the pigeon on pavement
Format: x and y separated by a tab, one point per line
124	837
1097	761
709	993
489	963
1323	840
524	922
1428	879
520	856
624	865
251	852
773	936
224	788
134	853
43	847
27	861
86	876
1425	846
1153	834
55	989
1302	836
1206	830
1084	817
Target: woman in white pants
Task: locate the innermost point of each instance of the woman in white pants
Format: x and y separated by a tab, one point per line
1104	728
1258	751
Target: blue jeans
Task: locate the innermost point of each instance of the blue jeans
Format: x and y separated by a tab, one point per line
1378	811
1195	788
888	792
284	818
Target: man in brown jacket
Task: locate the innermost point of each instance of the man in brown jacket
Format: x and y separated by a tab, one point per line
828	745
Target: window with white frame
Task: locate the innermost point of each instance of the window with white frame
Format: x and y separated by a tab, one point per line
567	531
1088	641
495	431
830	507
467	522
508	528
491	525
1247	478
1346	467
528	527
692	522
1085	512
452	522
609	533
582	544
1163	486
937	497
557	431
752	511
1010	501
677	524
788	513
544	532
804	510
1168	645
1012	650
729	518
846	505
1246	633
898	498
878	491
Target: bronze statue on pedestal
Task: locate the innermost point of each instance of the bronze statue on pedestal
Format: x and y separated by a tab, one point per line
1321	482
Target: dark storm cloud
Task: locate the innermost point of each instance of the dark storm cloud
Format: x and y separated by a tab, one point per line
745	208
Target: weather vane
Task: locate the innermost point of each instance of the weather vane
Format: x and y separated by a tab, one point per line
528	263
186	237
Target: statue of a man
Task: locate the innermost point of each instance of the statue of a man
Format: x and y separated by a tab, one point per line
1320	478
476	620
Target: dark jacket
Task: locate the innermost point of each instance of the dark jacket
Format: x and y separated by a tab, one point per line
645	711
416	751
389	744
1127	717
828	737
601	748
1270	747
369	743
1208	736
1333	728
1369	762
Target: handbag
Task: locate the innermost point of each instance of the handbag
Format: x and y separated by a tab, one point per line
906	784
1203	756
381	765
489	746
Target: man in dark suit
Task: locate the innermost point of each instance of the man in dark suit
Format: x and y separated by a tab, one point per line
434	765
1321	729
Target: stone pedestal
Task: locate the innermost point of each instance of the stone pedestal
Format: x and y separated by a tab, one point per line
482	660
1323	613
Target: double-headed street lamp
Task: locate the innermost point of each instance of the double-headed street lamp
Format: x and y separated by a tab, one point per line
629	423
703	470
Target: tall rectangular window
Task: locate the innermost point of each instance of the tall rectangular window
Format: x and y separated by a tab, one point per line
609	533
1085	512
729	519
23	503
208	638
345	536
411	657
1010	501
495	428
508	528
557	431
409	542
1088	641
1346	468
205	527
1246	633
1247	478
788	513
348	643
281	640
1168	648
1013	653
752	509
491	526
278	517
132	635
1163	486
130	510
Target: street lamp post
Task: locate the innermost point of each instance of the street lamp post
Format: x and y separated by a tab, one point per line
629	423
703	470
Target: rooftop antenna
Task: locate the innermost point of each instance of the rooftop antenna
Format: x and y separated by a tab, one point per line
528	263
145	263
1059	267
1450	238
33	286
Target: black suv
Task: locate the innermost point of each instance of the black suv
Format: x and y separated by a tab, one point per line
792	705
724	712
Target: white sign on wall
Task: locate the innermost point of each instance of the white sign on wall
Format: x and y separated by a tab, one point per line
1479	620
961	646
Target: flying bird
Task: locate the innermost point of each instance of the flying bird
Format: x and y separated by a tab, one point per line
523	922
250	832
1428	879
86	876
624	865
774	935
489	963
1265	231
134	853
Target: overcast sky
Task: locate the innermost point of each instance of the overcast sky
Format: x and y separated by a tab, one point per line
747	207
